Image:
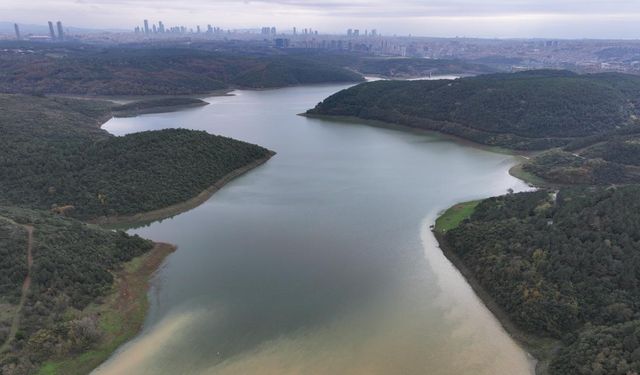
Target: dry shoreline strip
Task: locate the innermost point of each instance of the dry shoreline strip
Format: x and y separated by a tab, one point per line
515	171
157	109
539	348
122	314
178	208
126	308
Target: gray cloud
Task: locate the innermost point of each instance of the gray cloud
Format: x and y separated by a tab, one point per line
502	18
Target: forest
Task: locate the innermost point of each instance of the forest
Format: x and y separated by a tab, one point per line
157	105
56	161
564	265
55	156
73	266
532	110
612	159
155	70
418	67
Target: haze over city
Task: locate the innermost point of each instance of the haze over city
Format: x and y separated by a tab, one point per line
469	18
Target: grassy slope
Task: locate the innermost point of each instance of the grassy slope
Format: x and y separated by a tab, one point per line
454	215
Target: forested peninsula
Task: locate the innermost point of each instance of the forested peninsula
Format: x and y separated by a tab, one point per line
56	157
532	110
72	292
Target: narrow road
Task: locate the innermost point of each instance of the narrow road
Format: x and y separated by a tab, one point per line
25	290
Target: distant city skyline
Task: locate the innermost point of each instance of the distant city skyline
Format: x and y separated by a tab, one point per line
439	18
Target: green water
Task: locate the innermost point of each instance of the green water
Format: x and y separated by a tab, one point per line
321	260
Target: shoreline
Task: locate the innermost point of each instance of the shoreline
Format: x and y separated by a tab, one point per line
539	348
121	314
536	347
178	208
125	99
405	128
515	171
158	109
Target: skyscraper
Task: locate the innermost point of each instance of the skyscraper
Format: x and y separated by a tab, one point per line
60	31
51	31
146	27
160	27
17	29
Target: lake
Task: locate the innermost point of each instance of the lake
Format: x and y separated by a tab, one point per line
320	261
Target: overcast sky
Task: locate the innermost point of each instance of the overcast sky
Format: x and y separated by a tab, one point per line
473	18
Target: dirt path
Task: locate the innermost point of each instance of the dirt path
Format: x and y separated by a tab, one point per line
25	290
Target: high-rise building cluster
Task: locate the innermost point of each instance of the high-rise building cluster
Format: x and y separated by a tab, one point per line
149	30
52	33
355	33
268	30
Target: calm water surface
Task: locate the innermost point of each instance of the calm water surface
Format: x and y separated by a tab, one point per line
321	260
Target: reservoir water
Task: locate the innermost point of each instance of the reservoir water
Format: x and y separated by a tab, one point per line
320	261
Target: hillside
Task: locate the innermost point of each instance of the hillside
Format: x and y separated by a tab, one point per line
564	267
74	266
532	110
613	159
154	70
54	156
417	67
157	105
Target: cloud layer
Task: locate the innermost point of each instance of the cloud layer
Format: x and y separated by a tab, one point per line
484	18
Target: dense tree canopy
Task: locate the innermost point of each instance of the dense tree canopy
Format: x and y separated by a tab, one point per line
73	265
529	110
600	160
156	70
156	105
54	155
567	266
416	67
